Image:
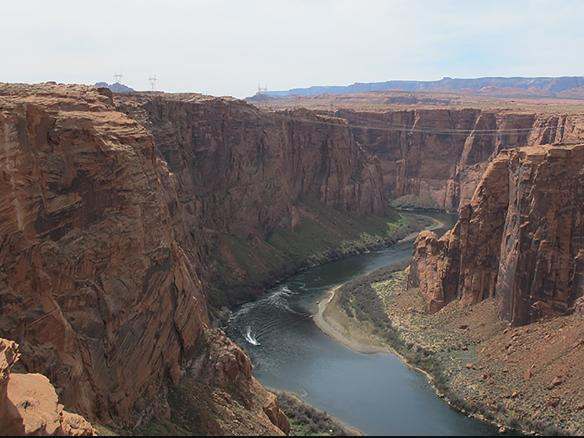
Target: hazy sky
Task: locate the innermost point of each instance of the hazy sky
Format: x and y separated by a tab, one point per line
225	47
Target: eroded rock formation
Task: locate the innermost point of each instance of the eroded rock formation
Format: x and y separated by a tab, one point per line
521	238
29	404
243	172
99	278
108	226
436	157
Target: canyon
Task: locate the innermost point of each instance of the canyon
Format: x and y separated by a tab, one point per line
520	239
130	223
111	235
437	156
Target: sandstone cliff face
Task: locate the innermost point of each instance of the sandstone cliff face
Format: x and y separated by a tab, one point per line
520	239
243	173
436	157
29	405
243	169
98	266
94	282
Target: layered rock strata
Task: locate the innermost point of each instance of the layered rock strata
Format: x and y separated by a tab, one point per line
520	240
243	174
436	157
99	267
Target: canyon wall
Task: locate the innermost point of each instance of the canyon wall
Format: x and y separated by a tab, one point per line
520	240
111	221
243	174
96	283
98	268
436	157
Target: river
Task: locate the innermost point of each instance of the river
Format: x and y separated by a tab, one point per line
376	393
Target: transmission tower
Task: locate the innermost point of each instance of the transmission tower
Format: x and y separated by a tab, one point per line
262	91
118	77
153	80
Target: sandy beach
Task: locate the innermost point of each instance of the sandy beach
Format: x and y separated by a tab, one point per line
333	321
357	336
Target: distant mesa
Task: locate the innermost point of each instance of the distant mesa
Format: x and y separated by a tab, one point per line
116	87
566	86
260	97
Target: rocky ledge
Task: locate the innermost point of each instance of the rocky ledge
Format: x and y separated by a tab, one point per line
29	404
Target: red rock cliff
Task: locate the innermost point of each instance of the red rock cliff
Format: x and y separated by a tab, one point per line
243	169
436	157
106	221
521	238
96	283
243	173
98	265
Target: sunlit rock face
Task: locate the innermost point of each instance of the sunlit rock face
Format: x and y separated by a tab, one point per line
521	238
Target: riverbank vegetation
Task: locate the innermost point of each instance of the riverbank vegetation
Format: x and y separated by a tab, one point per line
307	421
247	264
479	364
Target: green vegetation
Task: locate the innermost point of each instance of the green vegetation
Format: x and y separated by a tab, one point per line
104	430
325	232
322	234
305	420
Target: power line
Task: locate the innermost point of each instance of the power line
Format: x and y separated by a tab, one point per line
424	130
118	77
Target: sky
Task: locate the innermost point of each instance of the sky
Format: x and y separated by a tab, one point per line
228	47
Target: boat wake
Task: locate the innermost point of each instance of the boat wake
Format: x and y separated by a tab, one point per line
251	338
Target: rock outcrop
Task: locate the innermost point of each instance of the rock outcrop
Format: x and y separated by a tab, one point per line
96	280
436	157
243	169
520	240
29	404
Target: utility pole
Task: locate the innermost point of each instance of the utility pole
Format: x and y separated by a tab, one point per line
118	77
153	80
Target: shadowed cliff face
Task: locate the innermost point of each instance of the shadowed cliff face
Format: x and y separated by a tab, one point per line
245	169
435	158
521	238
244	174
